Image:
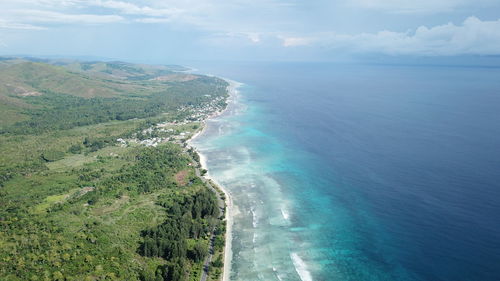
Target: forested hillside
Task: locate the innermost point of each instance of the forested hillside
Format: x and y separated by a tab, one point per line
76	203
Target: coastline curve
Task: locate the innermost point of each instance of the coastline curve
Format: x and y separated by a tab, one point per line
232	90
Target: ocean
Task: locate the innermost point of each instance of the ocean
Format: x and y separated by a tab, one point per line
360	172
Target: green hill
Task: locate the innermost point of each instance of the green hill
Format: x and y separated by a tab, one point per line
44	97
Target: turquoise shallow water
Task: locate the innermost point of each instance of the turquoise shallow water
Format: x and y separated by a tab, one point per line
245	160
349	172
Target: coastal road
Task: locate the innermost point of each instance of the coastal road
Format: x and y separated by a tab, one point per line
221	203
208	259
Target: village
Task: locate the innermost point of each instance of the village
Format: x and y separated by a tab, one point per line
177	131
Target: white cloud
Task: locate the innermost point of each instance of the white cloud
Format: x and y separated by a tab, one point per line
253	36
41	16
473	36
297	41
208	15
409	6
13	25
223	38
66	11
153	20
261	22
43	2
419	6
132	9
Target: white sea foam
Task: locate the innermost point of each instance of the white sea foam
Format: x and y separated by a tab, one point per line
254	217
285	214
301	267
276	273
220	130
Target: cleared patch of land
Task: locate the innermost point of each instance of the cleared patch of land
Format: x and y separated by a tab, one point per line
181	177
176	77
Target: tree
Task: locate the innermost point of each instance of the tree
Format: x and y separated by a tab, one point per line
218	262
176	271
199	251
75	149
58	276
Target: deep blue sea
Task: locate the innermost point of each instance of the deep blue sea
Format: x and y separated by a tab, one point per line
360	172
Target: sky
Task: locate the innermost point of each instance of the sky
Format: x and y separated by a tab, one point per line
174	30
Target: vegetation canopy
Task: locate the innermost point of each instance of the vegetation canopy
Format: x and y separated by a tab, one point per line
82	198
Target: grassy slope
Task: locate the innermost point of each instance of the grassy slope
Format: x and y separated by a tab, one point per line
21	78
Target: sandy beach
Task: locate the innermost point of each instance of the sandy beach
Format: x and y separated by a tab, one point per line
232	91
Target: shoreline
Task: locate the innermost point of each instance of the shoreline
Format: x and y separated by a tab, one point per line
226	270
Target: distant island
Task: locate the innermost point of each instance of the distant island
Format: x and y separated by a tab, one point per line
96	179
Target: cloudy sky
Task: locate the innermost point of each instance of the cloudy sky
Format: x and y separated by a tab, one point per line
173	30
